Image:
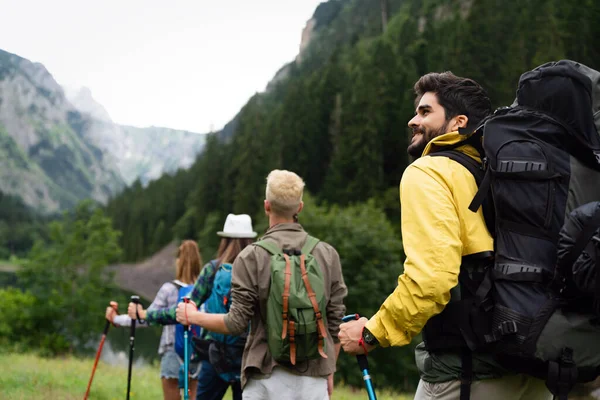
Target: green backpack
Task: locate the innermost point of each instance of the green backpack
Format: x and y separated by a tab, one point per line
295	325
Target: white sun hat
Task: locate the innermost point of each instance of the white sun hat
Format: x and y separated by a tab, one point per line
238	226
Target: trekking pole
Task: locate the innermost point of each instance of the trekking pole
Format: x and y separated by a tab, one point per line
186	356
363	364
104	333
136	300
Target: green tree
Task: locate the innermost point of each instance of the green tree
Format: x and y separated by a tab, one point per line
68	277
17	325
372	259
208	240
159	236
251	159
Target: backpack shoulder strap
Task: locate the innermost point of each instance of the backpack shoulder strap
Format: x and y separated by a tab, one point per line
177	285
214	263
225	267
310	244
269	246
483	180
469	163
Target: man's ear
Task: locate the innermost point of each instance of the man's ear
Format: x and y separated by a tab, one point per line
267	207
460	121
300	207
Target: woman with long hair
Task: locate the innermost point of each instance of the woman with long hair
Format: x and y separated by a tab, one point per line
236	235
187	270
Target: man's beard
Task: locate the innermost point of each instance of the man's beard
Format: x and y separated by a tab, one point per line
416	149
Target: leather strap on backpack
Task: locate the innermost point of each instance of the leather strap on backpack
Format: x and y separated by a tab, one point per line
286	296
293	342
313	299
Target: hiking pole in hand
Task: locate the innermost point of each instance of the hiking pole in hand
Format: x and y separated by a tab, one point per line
98	352
186	356
363	363
136	300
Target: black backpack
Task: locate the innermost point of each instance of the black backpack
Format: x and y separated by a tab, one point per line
541	164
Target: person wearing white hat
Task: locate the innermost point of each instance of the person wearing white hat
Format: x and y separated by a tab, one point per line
238	226
214	380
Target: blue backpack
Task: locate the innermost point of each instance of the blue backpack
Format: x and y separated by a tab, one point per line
194	331
225	352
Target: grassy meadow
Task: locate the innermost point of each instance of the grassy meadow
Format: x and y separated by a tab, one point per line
26	376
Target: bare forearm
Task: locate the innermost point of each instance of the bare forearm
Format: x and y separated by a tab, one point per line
210	322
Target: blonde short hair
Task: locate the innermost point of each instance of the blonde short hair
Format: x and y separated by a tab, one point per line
284	192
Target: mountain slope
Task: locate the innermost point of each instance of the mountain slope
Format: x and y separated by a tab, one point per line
45	158
138	153
59	146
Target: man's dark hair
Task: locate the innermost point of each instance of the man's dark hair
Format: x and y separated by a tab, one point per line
457	95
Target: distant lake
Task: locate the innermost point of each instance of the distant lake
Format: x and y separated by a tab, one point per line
116	346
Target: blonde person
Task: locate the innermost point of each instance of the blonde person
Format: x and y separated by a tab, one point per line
262	376
187	270
237	233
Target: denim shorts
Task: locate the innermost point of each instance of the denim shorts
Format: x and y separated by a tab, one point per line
169	366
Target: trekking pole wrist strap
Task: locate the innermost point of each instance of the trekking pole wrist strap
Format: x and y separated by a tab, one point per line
362	344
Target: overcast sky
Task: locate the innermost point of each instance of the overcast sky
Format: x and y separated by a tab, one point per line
184	64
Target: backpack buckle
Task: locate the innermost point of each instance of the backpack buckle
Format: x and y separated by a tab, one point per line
292	252
508	328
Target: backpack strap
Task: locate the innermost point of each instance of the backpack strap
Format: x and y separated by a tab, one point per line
483	180
469	163
284	309
466	374
313	299
309	245
269	246
596	304
273	249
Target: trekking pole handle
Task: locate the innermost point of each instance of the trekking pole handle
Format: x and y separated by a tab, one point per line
362	358
187	300
136	300
363	363
350	317
107	325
